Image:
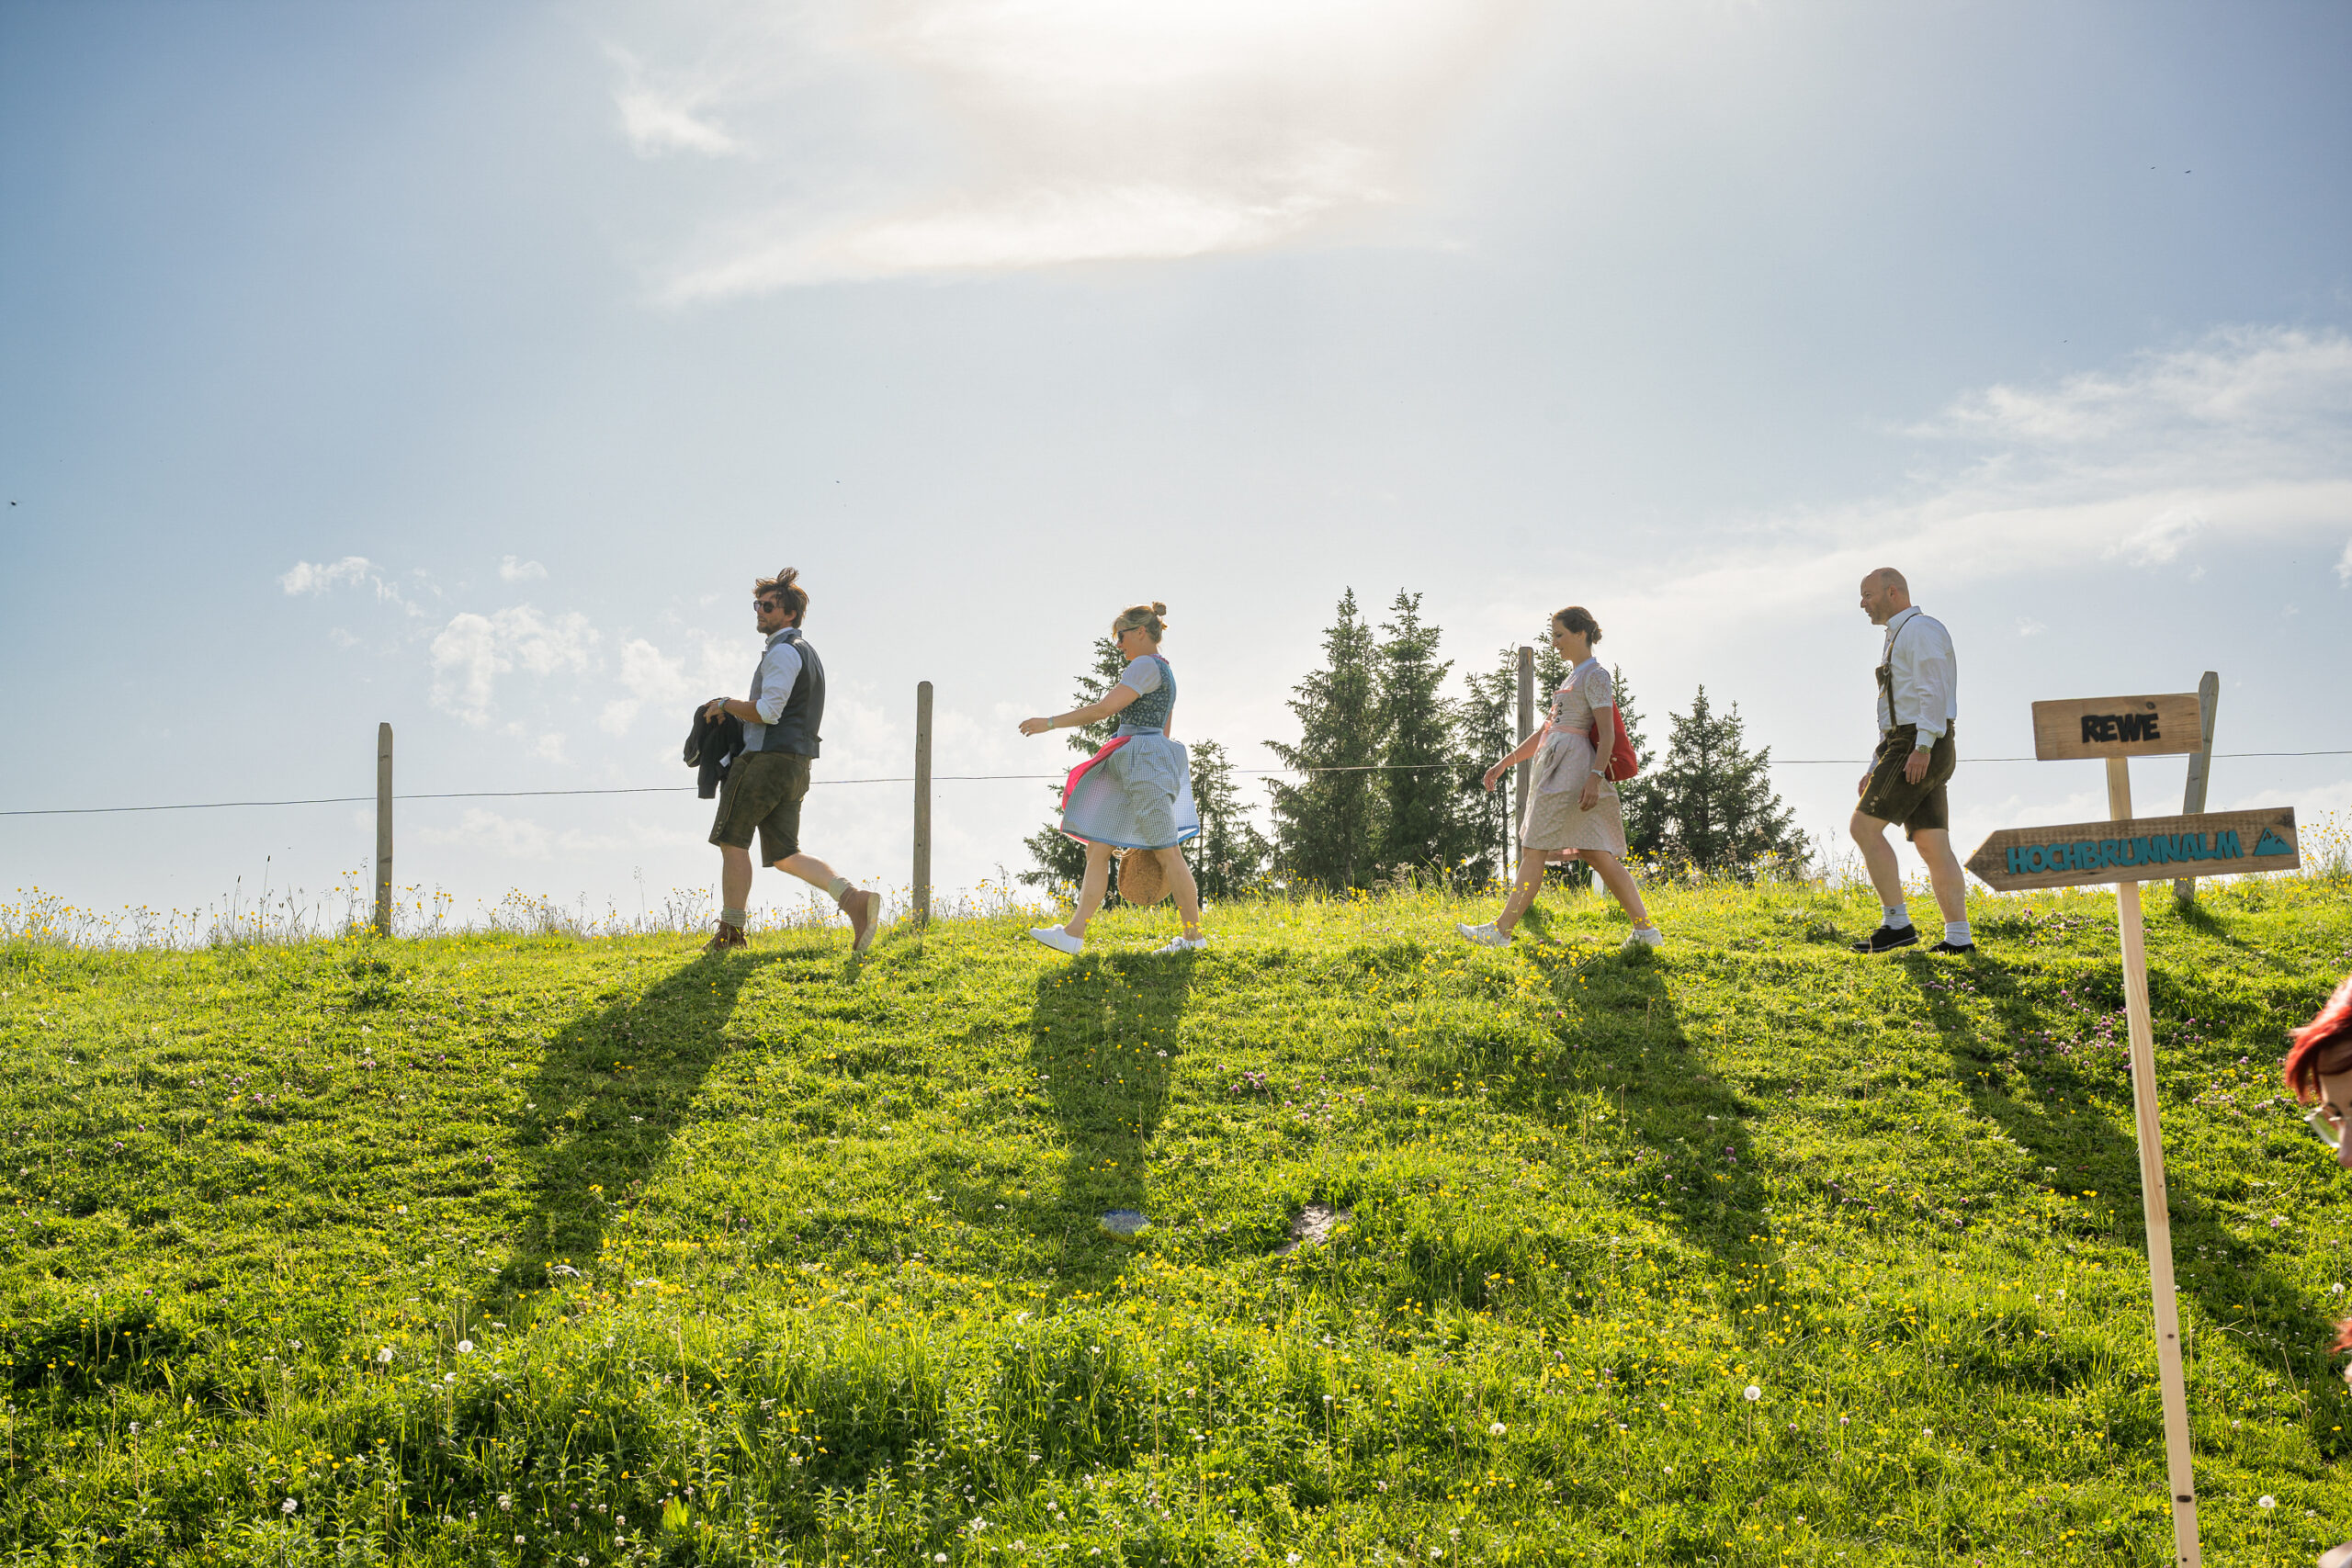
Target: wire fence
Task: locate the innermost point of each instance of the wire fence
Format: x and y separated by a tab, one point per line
910	778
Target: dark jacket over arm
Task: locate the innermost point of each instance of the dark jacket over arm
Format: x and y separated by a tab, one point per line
711	745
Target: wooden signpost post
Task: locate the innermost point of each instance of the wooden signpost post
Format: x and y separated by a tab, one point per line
2123	850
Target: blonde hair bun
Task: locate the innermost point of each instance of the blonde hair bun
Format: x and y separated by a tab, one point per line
1147	617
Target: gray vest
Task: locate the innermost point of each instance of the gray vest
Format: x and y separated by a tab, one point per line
794	729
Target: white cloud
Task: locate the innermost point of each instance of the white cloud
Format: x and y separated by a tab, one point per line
2161	540
2344	566
661	116
313	578
513	570
323	576
2243	403
471	652
1067	130
487	832
2246	435
647	675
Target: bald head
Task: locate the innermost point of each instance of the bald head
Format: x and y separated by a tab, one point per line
1885	595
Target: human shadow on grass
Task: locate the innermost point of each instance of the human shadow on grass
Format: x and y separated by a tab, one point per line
1103	1032
2076	1125
1620	1045
614	1088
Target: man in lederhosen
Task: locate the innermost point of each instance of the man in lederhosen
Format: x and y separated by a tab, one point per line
765	783
1918	700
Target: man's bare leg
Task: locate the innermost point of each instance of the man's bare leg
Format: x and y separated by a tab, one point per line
1934	845
734	875
735	891
1878	858
863	907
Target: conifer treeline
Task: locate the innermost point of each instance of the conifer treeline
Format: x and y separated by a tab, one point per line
1389	767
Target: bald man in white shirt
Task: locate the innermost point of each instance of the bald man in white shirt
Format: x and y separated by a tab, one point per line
1918	705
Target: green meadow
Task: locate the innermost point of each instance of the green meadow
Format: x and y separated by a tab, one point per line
492	1249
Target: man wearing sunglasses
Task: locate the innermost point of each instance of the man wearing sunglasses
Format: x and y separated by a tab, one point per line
765	787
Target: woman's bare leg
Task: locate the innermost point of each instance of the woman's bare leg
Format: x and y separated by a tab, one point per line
1618	880
1187	891
1522	891
1091	889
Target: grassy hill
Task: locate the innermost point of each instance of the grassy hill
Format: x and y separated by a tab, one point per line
1753	1251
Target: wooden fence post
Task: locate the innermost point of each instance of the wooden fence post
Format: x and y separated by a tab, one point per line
2192	800
383	830
1521	774
2155	1201
923	804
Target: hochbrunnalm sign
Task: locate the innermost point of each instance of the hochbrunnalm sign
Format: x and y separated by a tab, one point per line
2216	843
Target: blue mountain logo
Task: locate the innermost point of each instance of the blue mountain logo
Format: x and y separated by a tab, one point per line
2271	843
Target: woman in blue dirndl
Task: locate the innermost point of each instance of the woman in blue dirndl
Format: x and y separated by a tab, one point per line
1134	793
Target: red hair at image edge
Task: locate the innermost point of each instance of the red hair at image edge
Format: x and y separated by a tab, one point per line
2331	1026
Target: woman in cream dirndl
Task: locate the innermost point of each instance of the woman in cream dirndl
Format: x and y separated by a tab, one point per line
1572	812
1134	793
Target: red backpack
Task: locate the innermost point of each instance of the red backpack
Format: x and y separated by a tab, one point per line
1622	764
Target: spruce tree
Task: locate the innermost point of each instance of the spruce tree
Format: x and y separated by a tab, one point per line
1638	797
1483	731
1715	797
1060	859
1419	823
1229	856
1326	826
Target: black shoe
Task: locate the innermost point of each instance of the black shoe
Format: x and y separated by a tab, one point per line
1953	947
1886	938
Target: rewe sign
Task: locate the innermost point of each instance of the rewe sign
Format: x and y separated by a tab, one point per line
2117	726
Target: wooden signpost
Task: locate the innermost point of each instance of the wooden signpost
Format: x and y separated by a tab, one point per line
2127	850
2200	768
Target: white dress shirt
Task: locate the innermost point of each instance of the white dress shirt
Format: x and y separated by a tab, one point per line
1923	676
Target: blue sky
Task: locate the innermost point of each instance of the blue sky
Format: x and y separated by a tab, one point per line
461	365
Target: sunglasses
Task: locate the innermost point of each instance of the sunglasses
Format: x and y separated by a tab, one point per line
771	606
2325	1125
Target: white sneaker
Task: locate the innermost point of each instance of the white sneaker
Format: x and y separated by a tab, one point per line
1645	936
1058	940
1181	944
1485	935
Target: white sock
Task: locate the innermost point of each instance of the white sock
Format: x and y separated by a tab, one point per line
1898	919
739	918
837	886
1956	933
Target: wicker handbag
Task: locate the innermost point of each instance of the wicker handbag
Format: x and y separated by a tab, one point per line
1143	879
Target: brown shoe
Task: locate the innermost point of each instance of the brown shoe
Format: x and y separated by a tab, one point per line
728	939
863	909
